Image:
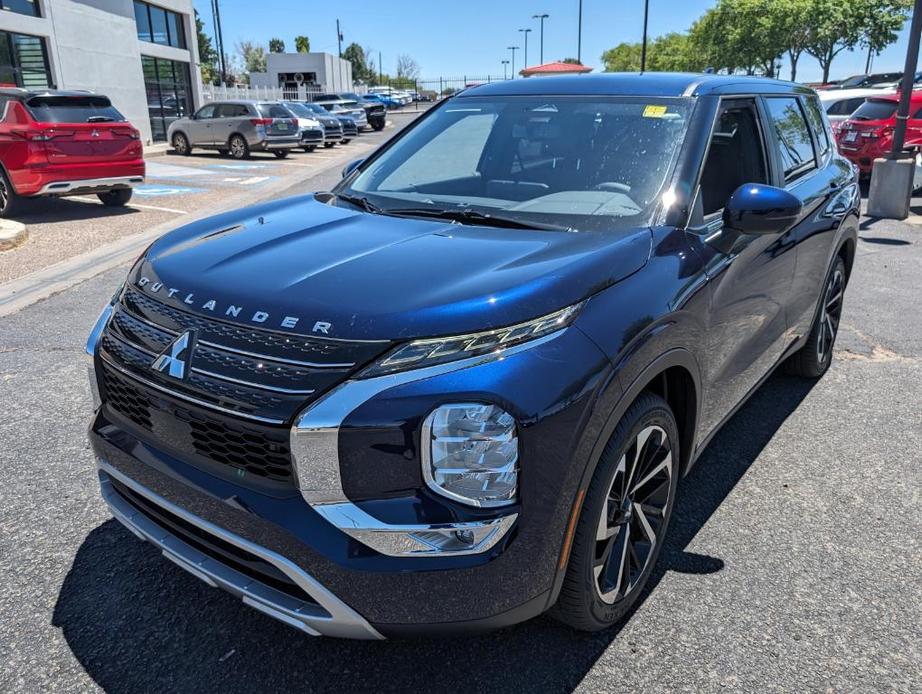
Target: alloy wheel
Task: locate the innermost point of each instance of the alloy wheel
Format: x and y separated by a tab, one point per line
237	147
4	194
830	313
180	144
633	514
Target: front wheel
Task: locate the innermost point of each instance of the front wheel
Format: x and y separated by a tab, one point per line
622	525
181	144
327	145
309	148
344	141
812	360
115	198
238	147
280	153
378	126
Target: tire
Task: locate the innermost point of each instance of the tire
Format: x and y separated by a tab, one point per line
181	144
813	359
115	198
280	153
345	141
612	555
238	148
11	203
327	145
310	148
378	127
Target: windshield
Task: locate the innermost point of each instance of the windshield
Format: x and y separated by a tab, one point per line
590	163
315	108
73	109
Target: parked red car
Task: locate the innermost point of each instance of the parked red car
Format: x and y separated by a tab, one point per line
868	133
56	143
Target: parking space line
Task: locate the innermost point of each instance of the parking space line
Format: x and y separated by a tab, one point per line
134	204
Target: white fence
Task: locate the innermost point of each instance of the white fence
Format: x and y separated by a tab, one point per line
223	92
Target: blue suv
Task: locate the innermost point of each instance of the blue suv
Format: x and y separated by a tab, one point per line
461	389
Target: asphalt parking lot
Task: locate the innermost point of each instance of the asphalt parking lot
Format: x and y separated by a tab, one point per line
794	562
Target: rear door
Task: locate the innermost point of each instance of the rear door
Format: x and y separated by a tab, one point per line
83	129
229	120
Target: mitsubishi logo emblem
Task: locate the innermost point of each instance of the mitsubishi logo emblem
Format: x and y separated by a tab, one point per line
94	133
173	359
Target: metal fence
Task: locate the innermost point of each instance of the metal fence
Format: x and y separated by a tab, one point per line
223	92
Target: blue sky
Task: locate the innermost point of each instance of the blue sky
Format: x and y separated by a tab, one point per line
453	39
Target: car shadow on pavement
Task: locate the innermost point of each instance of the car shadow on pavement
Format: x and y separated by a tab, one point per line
50	210
137	623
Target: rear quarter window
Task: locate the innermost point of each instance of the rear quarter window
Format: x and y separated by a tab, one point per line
817	123
72	109
273	111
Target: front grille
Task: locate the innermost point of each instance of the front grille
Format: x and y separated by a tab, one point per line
244	448
232	407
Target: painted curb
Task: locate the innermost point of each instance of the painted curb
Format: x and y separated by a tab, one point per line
12	234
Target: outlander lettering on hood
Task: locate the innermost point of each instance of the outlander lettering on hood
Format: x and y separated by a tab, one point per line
228	310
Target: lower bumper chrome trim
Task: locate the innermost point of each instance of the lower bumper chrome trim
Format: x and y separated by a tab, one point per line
329	617
62	187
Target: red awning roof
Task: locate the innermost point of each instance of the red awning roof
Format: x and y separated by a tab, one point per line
556	68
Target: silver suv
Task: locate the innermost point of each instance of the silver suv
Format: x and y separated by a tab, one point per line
237	128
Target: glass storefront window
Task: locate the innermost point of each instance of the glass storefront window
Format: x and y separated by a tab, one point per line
157	25
23	61
167	83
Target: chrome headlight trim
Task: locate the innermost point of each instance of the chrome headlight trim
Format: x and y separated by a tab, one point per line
315	453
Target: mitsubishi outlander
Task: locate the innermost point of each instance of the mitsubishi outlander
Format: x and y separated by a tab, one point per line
462	388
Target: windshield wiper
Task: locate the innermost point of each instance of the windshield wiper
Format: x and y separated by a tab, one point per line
99	119
360	201
470	216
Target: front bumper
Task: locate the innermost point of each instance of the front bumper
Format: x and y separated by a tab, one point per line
312	136
375	453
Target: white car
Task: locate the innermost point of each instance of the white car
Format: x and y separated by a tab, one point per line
840	104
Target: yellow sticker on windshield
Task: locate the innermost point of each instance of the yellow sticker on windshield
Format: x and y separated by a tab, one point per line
654	111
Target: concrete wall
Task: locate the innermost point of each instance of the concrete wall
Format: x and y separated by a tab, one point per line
93	44
333	73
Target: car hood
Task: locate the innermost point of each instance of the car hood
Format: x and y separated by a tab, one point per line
354	275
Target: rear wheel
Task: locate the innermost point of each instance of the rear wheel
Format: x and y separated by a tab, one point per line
181	144
309	148
344	141
812	360
280	153
115	198
328	144
622	525
10	201
238	147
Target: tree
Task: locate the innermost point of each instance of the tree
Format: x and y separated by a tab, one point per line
207	55
253	56
355	54
880	22
276	46
407	68
834	27
571	61
667	53
794	17
302	44
625	57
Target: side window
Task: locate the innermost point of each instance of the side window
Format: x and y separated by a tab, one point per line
917	114
792	135
817	123
736	155
206	111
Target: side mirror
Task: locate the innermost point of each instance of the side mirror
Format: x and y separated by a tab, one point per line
755	208
351	166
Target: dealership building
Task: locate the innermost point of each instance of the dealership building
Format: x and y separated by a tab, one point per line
314	71
143	56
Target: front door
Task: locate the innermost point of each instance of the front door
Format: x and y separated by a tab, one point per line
200	126
749	276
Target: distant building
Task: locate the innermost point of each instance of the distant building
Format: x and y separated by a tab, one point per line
556	68
321	71
143	56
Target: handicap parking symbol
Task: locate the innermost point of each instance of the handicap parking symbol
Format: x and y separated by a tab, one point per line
155	191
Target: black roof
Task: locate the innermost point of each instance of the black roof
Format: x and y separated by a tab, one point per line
662	84
29	93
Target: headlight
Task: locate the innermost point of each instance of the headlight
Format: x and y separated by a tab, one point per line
470	453
421	353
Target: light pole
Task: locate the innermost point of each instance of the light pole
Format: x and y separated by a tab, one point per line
525	54
505	69
643	49
513	49
579	35
541	18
